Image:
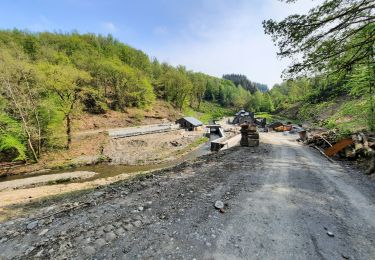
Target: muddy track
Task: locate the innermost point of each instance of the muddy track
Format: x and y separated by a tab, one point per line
282	201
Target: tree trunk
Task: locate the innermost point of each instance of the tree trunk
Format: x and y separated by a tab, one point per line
371	69
35	110
199	102
68	131
26	128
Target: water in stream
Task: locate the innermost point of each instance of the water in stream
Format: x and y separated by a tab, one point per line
109	170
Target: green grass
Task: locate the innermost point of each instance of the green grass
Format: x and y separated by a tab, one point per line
198	142
193	145
209	111
347	115
352	116
59	181
272	118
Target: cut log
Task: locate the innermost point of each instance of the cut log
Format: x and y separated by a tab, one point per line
279	129
339	146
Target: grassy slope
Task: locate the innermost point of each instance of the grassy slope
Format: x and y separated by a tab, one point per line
344	113
272	118
209	111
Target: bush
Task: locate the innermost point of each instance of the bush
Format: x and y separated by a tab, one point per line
93	103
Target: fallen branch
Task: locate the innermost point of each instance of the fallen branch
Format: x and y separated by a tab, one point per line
325	140
329	159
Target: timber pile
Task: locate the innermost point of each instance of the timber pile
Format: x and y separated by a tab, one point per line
363	145
323	140
358	145
249	135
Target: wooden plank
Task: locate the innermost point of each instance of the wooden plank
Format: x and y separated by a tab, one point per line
331	151
320	150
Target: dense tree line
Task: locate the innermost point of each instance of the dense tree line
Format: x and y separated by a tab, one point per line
47	79
243	81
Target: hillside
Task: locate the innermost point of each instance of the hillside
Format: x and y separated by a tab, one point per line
339	105
54	84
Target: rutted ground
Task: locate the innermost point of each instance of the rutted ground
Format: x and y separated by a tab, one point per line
282	201
150	148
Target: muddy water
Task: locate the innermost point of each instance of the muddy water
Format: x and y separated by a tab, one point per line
108	170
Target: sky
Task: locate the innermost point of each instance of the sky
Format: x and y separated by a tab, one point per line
212	36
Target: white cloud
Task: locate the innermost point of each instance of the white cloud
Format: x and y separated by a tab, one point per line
109	27
231	40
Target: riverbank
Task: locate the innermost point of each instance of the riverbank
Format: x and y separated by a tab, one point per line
126	157
20	189
97	147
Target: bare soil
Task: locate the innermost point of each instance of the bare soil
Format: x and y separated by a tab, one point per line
160	111
150	148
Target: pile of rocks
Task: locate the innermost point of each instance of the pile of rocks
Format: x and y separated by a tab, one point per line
249	135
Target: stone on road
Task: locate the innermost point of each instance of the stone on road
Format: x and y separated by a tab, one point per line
219	204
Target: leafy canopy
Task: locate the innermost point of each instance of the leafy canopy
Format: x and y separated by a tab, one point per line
334	36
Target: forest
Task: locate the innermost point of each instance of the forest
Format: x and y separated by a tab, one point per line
47	79
242	80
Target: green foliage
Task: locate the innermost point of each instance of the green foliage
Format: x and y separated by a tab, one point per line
335	42
93	101
198	142
53	124
177	86
9	143
334	36
242	80
57	76
358	81
12	139
209	111
272	117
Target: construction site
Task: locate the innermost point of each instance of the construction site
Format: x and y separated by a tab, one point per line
279	180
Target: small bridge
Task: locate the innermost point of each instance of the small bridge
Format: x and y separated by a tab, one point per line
216	129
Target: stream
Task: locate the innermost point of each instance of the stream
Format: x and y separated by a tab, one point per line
110	170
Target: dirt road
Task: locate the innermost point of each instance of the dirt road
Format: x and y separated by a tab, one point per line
282	201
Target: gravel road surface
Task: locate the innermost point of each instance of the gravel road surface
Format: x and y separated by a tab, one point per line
281	201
